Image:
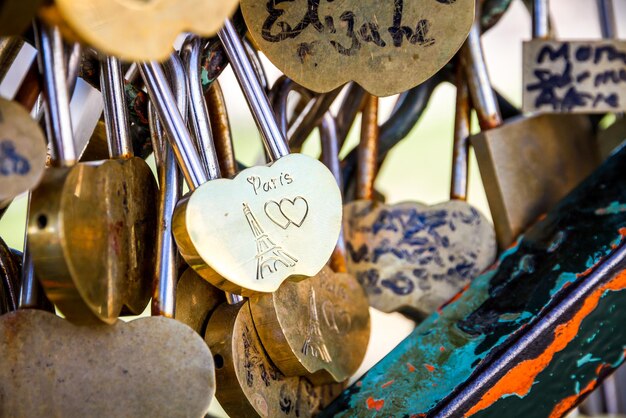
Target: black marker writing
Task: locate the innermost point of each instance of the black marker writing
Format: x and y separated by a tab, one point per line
356	32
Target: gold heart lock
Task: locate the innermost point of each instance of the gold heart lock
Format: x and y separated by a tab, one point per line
322	44
137	30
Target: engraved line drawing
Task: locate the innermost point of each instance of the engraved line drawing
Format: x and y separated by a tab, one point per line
287	212
269	256
330	316
314	344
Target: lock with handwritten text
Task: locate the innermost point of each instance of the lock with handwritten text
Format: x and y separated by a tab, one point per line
572	76
322	44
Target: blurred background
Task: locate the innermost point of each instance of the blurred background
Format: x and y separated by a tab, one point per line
418	169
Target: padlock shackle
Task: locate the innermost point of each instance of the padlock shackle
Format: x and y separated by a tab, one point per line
191	53
51	59
367	166
541	19
222	133
462	132
115	109
176	76
608	23
166	268
280	94
177	133
273	138
483	96
329	137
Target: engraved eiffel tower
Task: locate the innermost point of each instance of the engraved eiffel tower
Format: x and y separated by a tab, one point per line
314	344
268	254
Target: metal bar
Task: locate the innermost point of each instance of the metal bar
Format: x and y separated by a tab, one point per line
532	336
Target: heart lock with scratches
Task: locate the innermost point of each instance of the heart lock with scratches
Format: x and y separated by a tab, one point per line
247	252
323	44
137	30
90	225
410	257
318	328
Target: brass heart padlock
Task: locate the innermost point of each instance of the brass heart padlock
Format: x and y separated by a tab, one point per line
140	31
318	328
250	384
411	257
264	209
91	252
324	44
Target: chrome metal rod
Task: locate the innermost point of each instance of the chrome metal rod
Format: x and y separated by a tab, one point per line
191	53
115	110
165	105
57	104
273	138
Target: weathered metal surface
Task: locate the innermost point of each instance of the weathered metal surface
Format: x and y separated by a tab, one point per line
574	76
318	328
91	230
324	44
153	367
249	383
532	335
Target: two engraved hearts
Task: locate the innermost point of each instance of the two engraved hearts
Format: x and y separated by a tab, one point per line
287	212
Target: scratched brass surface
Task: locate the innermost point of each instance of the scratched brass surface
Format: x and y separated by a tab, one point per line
317	328
149	367
91	231
22	151
249	384
267	225
141	31
529	164
411	257
324	44
196	299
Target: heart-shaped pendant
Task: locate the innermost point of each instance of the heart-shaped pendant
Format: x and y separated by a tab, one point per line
413	257
268	224
91	229
324	44
250	384
147	367
317	328
141	30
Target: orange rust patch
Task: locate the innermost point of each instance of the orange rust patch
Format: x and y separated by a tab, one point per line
389	383
622	232
520	378
375	403
410	367
568	403
429	367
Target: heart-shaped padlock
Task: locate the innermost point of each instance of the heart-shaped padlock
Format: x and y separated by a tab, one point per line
411	257
324	44
253	247
140	30
320	327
